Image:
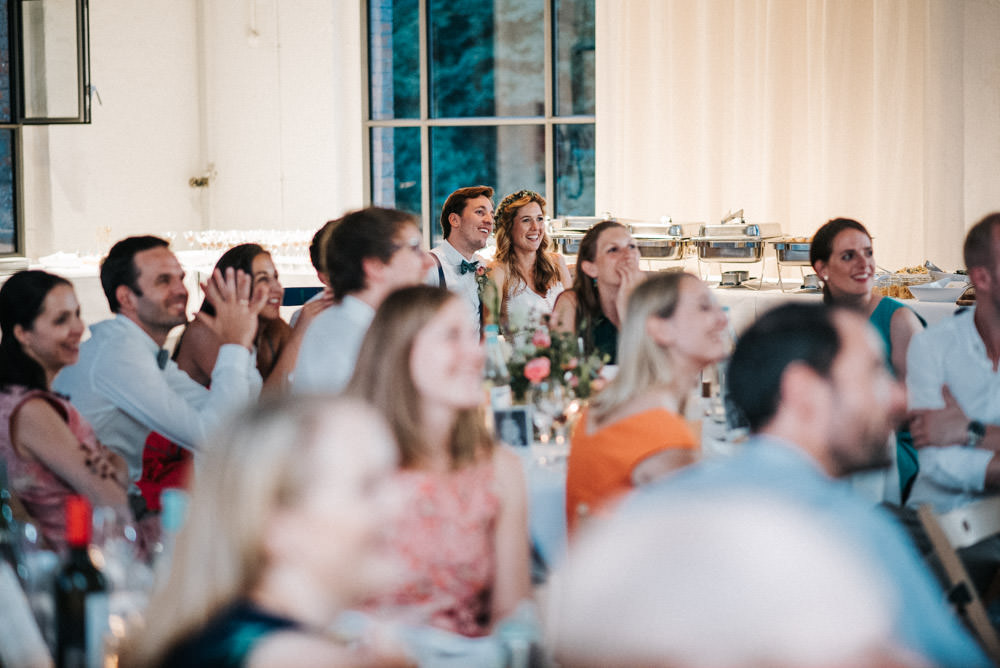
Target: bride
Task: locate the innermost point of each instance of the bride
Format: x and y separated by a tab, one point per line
529	275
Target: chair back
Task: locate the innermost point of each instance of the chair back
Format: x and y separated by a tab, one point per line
971	523
960	590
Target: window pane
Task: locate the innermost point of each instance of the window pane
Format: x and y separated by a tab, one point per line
573	28
574	170
486	58
4	62
394	59
396	168
507	157
8	229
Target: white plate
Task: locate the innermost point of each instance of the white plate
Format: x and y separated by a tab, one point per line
944	290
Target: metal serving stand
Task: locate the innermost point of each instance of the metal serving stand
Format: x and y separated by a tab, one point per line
734	241
792	252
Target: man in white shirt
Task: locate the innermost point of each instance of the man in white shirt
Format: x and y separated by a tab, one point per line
466	222
953	380
124	383
368	254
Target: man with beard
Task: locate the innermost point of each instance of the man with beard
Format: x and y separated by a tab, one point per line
124	383
812	383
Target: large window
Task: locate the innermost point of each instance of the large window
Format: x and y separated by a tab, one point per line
44	79
468	92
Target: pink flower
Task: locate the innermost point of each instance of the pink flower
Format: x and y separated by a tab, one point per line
481	270
571	363
537	369
541	338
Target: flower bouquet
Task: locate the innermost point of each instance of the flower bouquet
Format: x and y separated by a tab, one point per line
539	356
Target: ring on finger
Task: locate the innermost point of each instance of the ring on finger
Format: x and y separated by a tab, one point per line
244	302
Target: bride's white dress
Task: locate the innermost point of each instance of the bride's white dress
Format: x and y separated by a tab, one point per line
525	307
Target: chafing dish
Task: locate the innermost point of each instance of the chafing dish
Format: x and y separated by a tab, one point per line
792	251
734	240
663	239
567	232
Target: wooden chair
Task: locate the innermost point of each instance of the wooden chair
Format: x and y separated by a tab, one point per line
960	528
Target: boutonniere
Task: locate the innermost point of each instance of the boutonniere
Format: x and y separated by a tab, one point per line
489	295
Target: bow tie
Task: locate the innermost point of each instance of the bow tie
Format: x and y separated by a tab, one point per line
162	357
466	267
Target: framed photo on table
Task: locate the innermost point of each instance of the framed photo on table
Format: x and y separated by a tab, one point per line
513	426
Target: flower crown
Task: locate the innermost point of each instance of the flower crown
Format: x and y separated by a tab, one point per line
509	200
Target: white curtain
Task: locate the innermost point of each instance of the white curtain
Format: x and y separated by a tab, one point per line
799	111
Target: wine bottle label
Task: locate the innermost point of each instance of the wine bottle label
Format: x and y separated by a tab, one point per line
96	611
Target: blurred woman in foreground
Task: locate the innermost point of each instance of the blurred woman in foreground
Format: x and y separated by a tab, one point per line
462	535
633	431
302	491
607	268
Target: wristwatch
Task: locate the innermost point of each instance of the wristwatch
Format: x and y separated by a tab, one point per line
976	431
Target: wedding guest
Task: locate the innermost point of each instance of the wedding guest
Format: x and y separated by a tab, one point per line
50	450
304	488
466	222
316	260
812	384
124	383
198	348
529	275
462	534
841	253
606	270
368	254
634	432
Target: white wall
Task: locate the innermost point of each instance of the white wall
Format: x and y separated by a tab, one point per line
185	84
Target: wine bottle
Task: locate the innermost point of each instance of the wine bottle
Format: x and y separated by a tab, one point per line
81	595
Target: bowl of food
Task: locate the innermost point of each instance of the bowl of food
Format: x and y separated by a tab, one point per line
943	290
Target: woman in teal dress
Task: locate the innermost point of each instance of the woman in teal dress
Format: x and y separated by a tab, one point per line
841	254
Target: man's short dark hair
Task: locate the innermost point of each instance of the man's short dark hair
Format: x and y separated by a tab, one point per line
456	203
366	233
118	268
804	333
978	248
316	245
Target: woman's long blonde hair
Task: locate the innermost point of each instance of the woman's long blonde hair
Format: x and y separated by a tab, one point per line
383	376
259	463
642	363
546	273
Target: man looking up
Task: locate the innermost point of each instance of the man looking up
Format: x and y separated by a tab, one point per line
124	382
467	222
367	254
812	382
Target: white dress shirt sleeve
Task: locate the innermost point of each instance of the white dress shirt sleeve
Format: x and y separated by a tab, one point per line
953	468
170	402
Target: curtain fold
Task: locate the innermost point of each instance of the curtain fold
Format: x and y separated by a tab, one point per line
799	111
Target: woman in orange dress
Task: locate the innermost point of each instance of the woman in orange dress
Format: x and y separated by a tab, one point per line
633	431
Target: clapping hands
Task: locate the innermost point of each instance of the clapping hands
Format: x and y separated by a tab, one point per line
236	306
